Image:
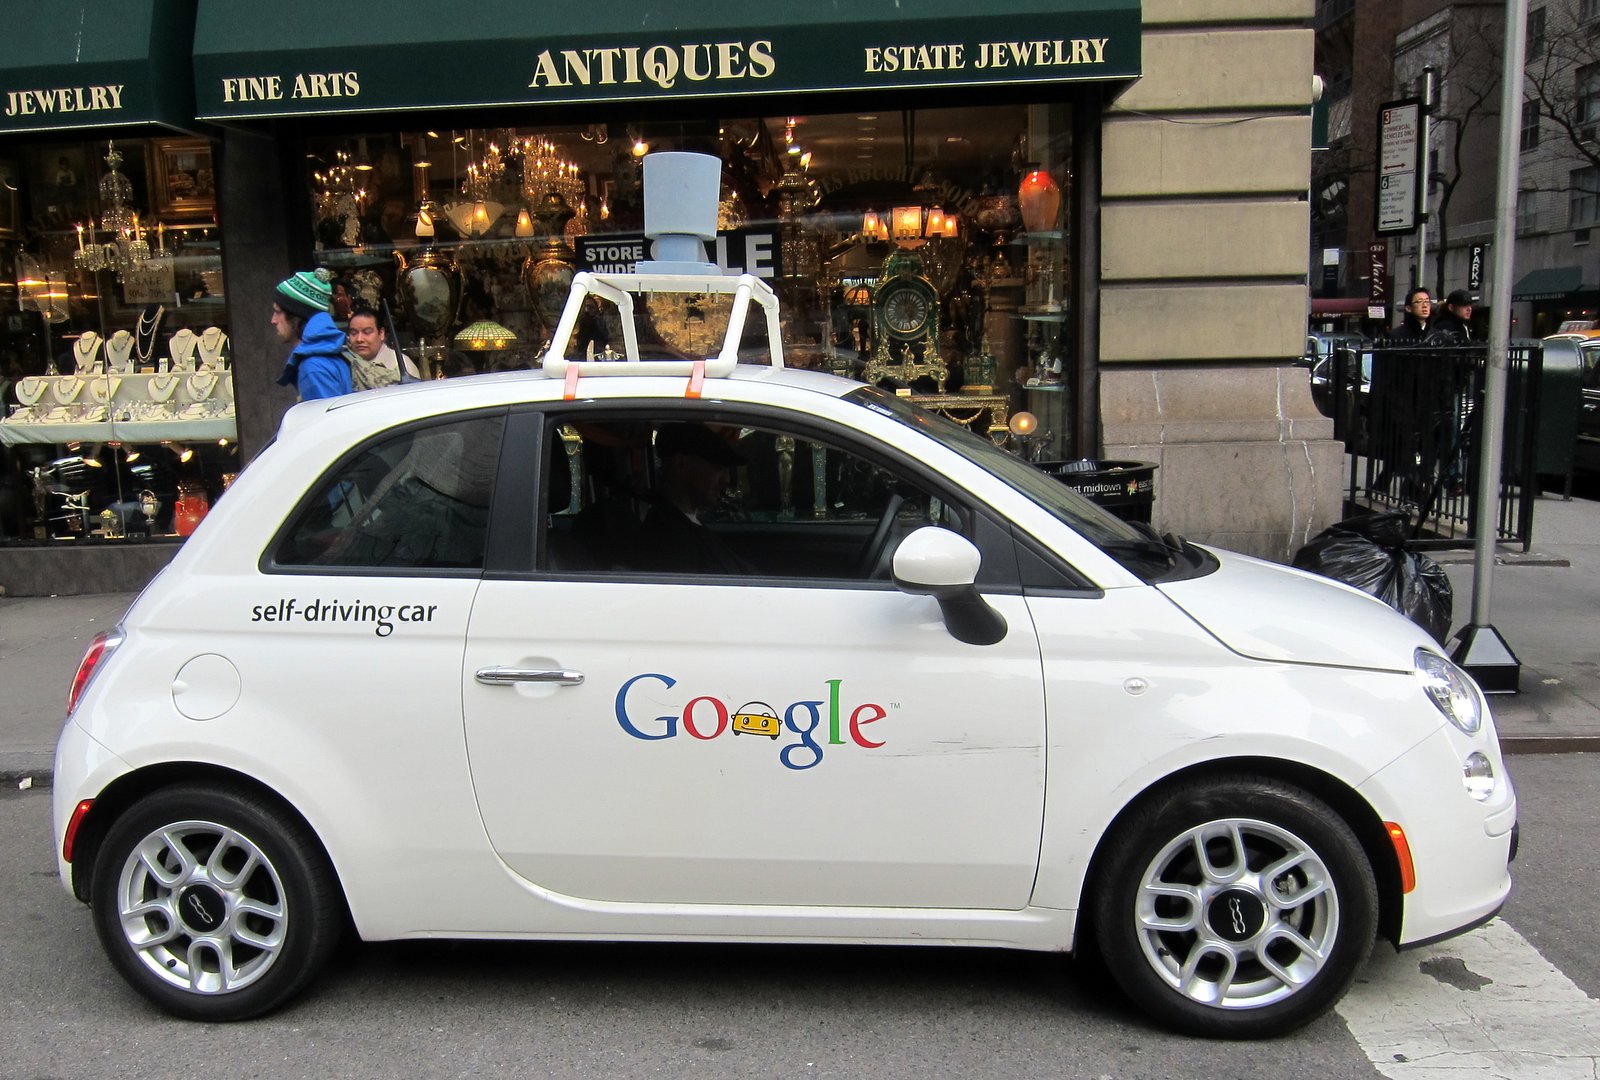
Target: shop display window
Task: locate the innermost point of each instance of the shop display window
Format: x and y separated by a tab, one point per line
115	365
926	250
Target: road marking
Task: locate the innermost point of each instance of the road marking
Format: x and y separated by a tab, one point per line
1486	1002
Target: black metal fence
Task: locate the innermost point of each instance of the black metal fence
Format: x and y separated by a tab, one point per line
1411	418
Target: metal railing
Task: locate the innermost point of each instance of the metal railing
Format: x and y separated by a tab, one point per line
1410	417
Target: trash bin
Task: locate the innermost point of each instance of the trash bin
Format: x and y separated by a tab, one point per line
1126	488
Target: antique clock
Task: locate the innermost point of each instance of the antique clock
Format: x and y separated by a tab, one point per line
905	314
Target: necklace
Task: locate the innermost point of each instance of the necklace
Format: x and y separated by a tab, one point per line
30	388
181	347
162	386
148	324
84	348
119	347
102	388
66	388
212	342
201	383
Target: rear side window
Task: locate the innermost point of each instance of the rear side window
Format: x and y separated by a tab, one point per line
417	500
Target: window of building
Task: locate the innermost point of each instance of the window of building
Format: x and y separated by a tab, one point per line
832	210
116	389
1535	34
1527	211
1530	125
1587	85
1584	205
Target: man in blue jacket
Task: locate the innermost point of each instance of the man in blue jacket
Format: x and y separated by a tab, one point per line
317	367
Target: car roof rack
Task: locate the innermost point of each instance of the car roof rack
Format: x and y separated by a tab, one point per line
680	213
619	290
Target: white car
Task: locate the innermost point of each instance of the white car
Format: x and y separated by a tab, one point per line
460	659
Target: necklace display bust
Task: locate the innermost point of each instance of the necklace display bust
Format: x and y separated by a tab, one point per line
119	350
145	335
85	351
212	344
181	348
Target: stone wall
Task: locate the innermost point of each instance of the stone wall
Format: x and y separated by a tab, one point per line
1203	301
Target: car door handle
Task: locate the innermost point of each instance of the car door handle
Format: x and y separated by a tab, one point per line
499	676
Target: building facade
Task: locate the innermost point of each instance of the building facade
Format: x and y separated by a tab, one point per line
1104	204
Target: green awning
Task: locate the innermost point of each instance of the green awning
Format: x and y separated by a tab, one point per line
305	57
1550	283
69	64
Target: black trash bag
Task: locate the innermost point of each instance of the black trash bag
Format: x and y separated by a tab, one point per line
1369	552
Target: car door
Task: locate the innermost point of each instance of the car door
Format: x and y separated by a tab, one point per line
797	737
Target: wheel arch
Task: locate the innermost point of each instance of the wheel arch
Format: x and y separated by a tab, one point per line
128	789
1345	801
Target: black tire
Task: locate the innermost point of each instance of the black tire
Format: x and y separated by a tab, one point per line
1252	941
232	907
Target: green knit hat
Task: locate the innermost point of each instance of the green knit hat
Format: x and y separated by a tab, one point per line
306	293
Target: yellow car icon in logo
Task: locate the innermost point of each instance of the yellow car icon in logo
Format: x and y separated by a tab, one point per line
756	718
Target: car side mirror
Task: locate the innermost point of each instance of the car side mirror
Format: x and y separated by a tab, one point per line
944	565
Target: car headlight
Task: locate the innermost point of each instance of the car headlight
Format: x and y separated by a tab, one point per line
1450	689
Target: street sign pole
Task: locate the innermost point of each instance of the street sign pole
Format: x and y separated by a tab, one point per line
1479	647
1423	180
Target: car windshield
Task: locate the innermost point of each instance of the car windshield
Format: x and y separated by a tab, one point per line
1137	547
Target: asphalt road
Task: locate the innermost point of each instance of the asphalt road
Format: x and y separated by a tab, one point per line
424	1010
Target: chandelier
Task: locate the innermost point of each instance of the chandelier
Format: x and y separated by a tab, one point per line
475	213
340	194
544	170
126	249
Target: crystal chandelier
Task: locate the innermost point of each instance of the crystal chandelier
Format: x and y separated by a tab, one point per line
127	248
340	194
544	170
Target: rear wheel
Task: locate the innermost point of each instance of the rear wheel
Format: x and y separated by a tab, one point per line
1235	907
214	904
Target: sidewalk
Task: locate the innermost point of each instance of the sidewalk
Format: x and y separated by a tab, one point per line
1546	605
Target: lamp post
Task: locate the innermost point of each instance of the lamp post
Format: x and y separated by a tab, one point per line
1479	648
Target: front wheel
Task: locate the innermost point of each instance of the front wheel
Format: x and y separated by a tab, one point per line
213	904
1236	907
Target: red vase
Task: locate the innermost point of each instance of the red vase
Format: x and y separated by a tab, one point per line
190	508
1039	199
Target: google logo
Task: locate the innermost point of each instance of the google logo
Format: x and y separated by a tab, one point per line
706	717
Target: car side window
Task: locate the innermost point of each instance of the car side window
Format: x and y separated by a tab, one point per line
675	497
418	499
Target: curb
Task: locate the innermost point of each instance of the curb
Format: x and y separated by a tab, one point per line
1550	744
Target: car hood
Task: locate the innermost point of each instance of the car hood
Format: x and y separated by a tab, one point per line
1271	612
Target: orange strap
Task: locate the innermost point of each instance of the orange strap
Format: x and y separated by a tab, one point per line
570	392
697	380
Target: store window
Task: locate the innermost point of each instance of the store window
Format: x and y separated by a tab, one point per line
115	365
924	250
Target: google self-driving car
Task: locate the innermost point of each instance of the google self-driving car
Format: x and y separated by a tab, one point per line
423	672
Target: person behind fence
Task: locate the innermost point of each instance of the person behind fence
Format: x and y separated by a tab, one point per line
1415	325
316	367
1453	325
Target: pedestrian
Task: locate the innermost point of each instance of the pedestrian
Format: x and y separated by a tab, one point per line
1453	326
372	362
317	367
1415	324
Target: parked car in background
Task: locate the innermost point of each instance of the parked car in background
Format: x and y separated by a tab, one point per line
1586	455
1320	346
